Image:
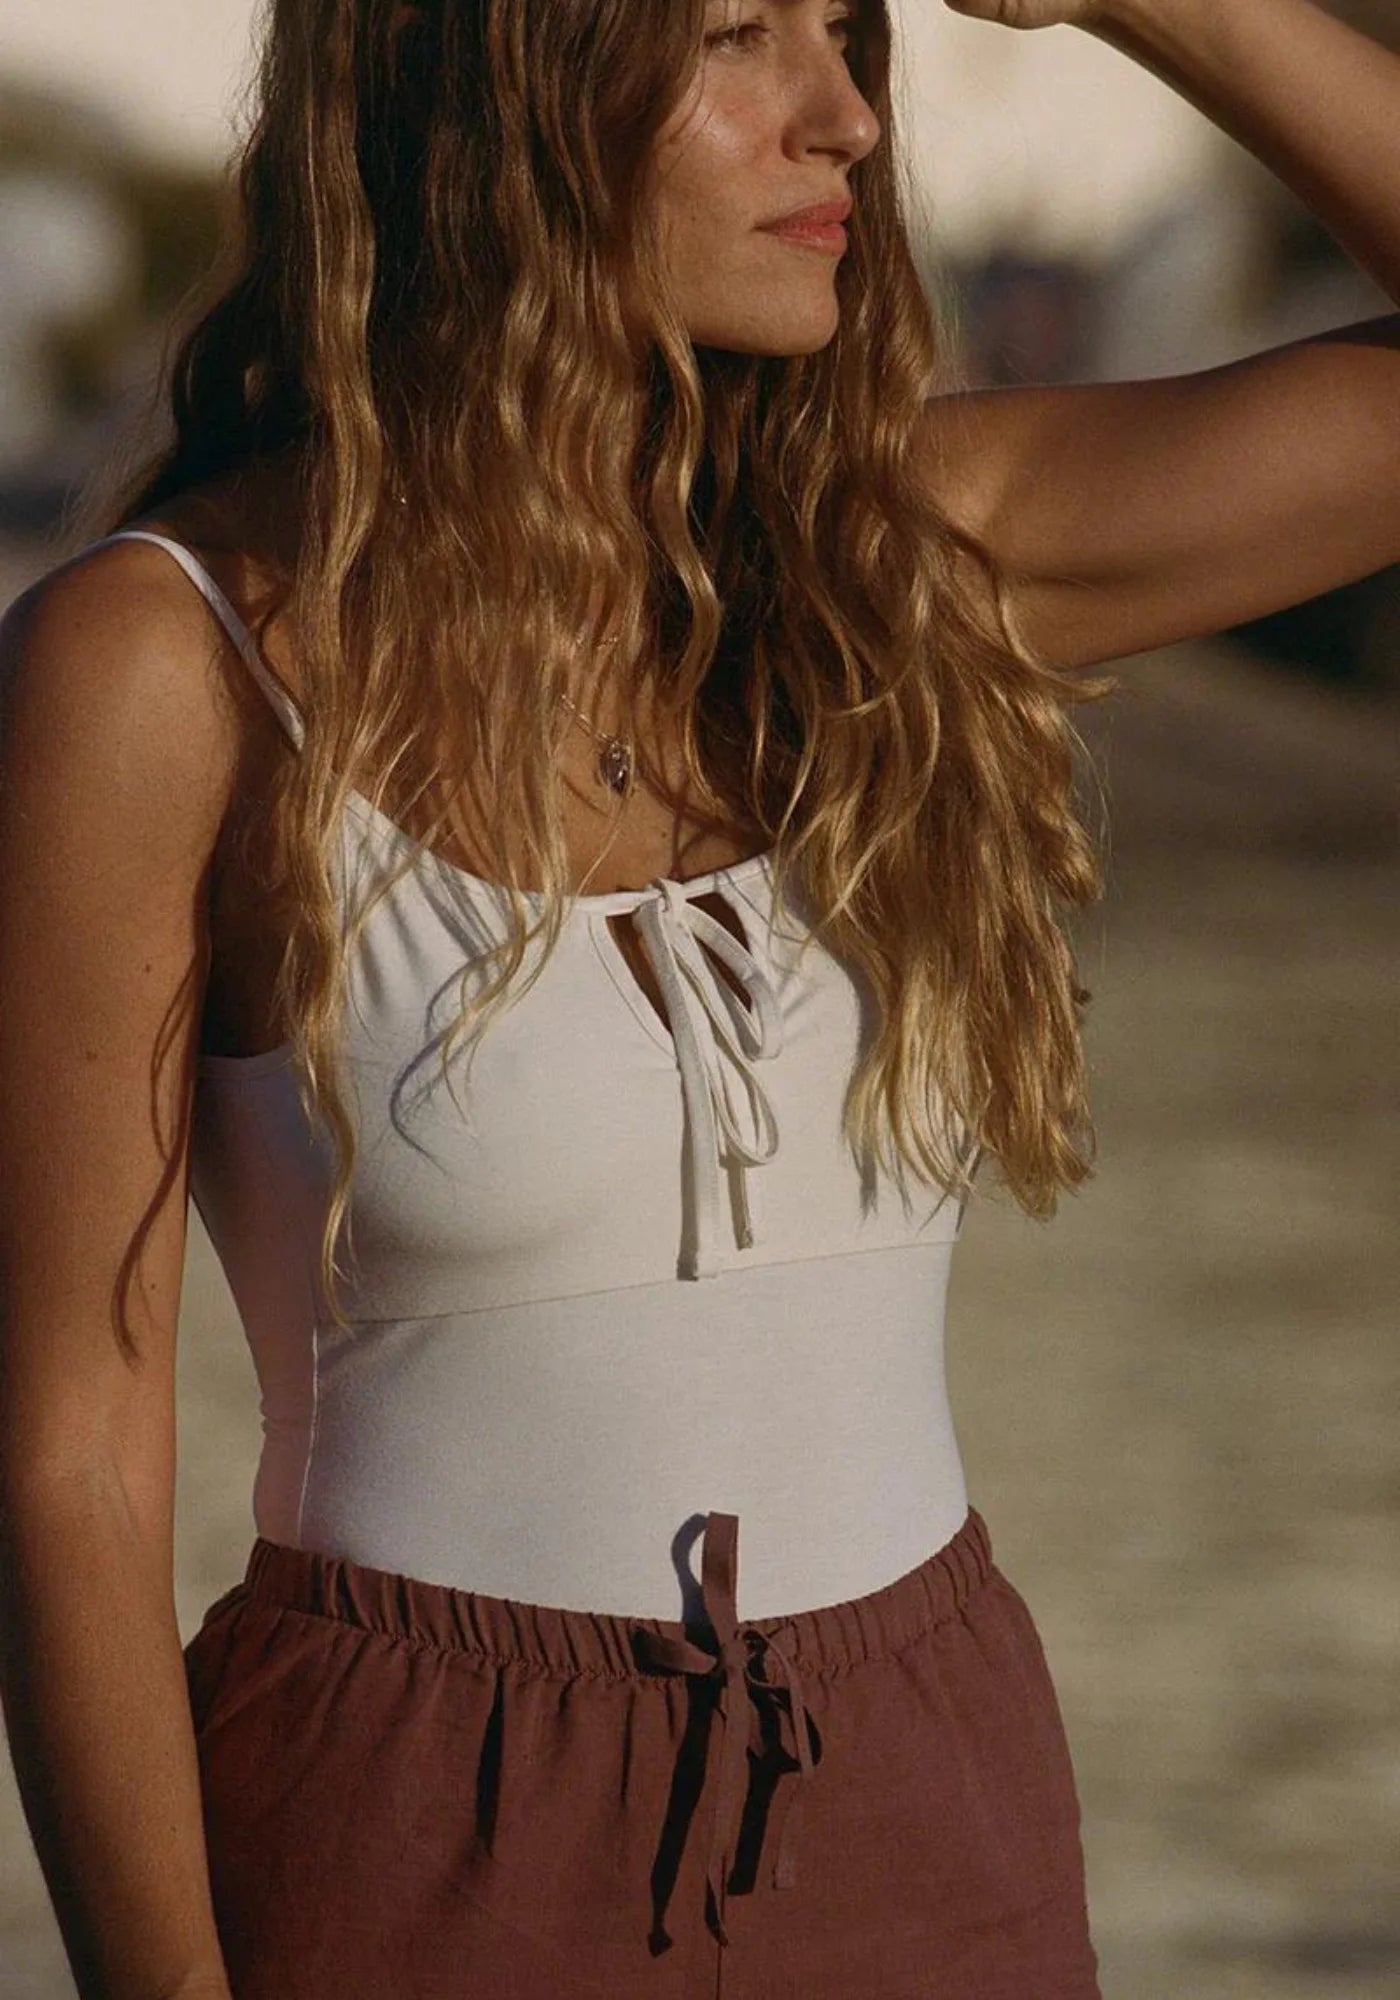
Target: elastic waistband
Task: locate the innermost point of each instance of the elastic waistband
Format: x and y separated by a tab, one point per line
567	1642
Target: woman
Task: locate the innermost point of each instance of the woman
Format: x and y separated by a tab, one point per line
559	527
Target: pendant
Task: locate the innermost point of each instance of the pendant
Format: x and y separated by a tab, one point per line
615	766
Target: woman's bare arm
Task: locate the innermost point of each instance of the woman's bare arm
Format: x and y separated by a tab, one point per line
1132	514
117	760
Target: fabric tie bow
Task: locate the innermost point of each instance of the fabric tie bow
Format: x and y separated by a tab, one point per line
732	1659
709	1020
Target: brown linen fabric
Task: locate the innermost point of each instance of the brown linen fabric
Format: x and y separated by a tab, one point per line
419	1793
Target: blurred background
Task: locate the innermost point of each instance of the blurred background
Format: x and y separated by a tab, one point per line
1177	1404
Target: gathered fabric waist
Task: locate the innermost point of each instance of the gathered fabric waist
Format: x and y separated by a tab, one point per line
823	1639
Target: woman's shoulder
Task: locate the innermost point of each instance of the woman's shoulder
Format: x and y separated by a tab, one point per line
118	634
224	524
103	679
232	528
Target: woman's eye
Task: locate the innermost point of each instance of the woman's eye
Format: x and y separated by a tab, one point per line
734	37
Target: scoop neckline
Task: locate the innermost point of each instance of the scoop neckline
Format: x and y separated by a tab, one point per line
604	903
268	1062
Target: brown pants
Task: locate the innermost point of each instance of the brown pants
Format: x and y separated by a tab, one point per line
419	1793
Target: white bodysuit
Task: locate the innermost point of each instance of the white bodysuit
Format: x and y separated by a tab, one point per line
640	1279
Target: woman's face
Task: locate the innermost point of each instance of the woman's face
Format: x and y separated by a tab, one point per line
771	121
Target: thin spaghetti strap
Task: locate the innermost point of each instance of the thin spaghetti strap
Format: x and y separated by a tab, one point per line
286	709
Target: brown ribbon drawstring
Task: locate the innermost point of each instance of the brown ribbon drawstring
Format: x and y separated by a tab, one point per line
738	1645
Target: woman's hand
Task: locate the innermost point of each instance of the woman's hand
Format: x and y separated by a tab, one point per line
1032	13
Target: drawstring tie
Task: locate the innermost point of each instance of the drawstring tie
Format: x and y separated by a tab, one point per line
706	1019
732	1658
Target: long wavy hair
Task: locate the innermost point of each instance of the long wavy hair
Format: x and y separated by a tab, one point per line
441	257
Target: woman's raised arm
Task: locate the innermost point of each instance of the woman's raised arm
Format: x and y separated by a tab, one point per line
1133	514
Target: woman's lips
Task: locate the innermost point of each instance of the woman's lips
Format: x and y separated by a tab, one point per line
826	236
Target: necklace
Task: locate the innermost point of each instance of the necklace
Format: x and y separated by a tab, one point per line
614	766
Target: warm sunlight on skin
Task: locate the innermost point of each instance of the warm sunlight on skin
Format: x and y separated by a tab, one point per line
772	121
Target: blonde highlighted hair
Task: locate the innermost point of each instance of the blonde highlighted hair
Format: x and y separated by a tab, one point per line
442	279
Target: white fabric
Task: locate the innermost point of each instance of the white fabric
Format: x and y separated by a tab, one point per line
623	1280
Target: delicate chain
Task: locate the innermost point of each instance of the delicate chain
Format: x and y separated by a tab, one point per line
602	734
615	764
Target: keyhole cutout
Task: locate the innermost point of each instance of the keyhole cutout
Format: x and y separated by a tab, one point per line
628	940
